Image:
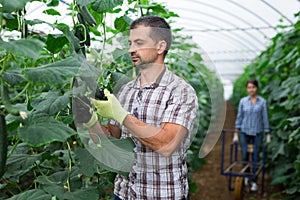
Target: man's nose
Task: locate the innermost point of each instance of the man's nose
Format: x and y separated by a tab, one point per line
131	49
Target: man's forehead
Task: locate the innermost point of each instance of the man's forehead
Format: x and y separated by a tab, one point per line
140	31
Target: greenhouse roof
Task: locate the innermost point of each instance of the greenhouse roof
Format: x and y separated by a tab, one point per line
231	33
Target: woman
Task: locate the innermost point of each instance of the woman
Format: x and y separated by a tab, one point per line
252	121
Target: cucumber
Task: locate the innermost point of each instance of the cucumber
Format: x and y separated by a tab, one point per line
80	19
87	16
3	145
83	35
87	37
6	102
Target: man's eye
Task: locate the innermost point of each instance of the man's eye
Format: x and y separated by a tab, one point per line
139	43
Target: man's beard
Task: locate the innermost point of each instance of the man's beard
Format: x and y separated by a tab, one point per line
143	64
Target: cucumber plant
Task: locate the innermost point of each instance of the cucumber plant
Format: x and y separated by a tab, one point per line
45	157
278	69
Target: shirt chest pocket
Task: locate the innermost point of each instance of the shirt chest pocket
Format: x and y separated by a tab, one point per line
257	108
155	112
252	109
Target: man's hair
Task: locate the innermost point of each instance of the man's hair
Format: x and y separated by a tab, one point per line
252	81
160	29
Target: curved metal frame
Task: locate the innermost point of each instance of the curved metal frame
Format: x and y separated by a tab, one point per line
229	23
250	11
242	40
232	38
228	13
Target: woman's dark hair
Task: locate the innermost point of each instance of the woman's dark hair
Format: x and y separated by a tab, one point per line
160	29
252	81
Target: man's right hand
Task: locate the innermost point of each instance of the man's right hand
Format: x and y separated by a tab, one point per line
83	109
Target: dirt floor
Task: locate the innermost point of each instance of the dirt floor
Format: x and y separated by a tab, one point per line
213	186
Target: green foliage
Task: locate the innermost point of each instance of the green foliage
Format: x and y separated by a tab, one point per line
46	157
13	5
34	194
55	43
51	11
102	6
24	47
54	73
278	69
40	129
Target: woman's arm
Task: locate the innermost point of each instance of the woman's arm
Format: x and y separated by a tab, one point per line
239	118
238	122
265	118
266	122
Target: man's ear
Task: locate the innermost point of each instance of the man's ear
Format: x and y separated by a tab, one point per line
161	46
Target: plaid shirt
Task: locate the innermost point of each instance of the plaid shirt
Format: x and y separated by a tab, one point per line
252	118
153	176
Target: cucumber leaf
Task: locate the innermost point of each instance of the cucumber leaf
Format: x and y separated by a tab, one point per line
102	6
51	102
24	47
54	73
40	129
35	194
13	5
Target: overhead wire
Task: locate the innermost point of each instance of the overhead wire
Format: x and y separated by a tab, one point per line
235	3
233	29
226	22
277	11
233	37
230	14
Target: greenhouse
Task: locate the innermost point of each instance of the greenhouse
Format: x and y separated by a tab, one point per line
149	99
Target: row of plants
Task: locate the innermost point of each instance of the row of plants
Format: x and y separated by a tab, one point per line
278	69
41	153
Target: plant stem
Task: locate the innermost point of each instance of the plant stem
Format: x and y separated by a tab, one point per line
70	167
13	148
1	17
3	61
105	172
73	13
141	9
18	95
46	177
104	40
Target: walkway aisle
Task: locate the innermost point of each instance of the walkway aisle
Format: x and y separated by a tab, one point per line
211	185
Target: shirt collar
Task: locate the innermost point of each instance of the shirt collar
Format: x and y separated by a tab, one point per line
161	80
249	98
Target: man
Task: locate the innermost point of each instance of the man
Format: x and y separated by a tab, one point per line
157	110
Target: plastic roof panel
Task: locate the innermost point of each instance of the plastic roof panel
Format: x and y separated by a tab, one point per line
232	32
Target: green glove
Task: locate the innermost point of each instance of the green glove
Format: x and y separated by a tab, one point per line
111	108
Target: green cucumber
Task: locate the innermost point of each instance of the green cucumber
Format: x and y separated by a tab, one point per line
87	16
80	19
82	31
3	145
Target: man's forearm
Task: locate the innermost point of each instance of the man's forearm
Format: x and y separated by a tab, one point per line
140	129
145	133
163	140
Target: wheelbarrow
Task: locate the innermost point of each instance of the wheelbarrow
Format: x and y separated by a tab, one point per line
234	168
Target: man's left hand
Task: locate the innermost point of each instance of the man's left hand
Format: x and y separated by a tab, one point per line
111	108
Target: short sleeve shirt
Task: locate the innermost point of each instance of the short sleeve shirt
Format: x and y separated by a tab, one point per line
153	176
